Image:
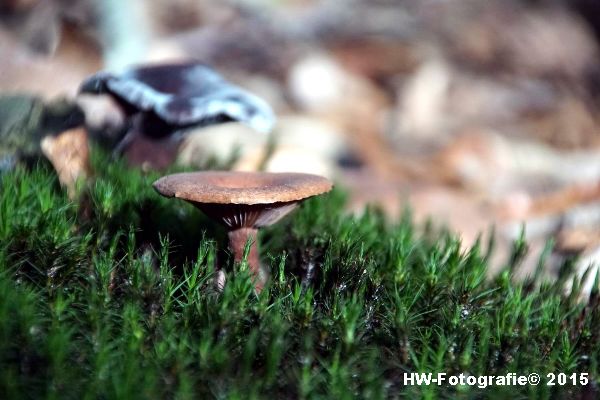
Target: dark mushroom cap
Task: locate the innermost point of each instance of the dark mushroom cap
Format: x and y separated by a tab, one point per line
243	199
182	95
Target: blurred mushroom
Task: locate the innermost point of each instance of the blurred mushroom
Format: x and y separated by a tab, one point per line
30	127
69	155
244	202
163	100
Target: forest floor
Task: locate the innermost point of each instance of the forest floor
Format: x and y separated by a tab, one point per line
111	296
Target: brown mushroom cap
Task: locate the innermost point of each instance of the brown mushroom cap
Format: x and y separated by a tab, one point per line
243	199
249	188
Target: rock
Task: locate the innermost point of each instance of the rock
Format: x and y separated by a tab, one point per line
298	144
222	143
318	83
423	101
294	159
20	120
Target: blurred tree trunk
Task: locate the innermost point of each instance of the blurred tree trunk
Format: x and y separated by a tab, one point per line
125	31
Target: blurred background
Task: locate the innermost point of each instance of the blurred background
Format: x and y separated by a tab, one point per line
476	114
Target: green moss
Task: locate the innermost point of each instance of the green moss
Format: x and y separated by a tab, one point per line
111	298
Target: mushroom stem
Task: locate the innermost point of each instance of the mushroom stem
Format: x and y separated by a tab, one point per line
237	243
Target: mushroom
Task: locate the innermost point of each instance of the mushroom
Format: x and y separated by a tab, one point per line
69	154
165	99
243	202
